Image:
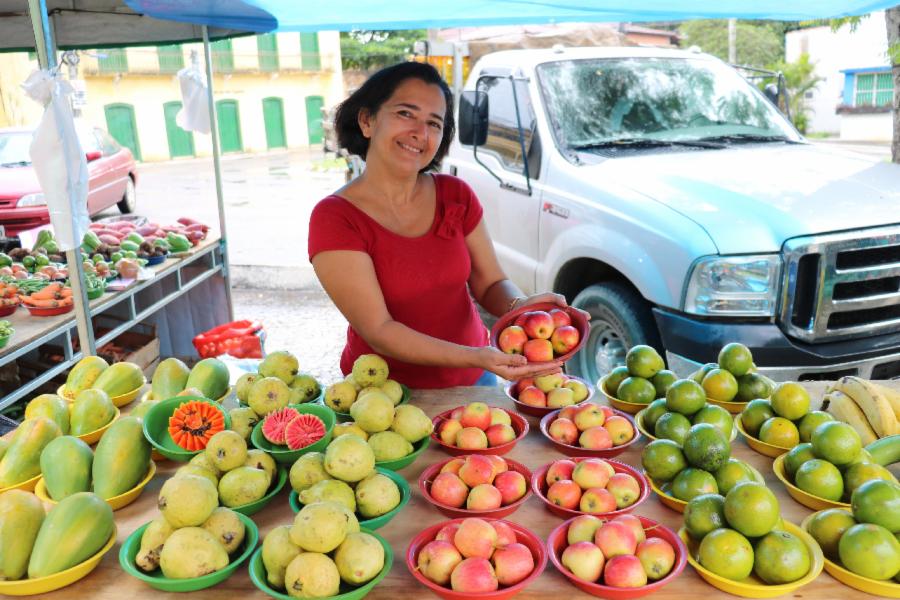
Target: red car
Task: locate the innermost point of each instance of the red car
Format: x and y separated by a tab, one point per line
111	169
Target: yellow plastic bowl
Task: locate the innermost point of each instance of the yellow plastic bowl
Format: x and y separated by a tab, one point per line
753	587
94	436
118	401
630	407
732	407
41	585
27	486
804	498
670	501
885	589
770	450
148	395
639	422
116	502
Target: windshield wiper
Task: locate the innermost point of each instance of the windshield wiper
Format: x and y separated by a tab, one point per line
21	163
636	142
749	137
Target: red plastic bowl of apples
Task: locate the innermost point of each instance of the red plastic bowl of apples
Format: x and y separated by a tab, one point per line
477	428
611	561
476	558
476	485
543	332
588	429
530	398
588	485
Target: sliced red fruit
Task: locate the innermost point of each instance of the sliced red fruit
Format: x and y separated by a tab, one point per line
303	431
275	423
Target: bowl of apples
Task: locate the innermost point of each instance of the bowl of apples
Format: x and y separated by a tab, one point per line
542	333
588	429
584	485
476	485
477	428
537	396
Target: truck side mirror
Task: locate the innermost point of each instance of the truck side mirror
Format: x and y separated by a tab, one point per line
473	118
771	92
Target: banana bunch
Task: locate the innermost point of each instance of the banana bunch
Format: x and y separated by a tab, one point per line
873	410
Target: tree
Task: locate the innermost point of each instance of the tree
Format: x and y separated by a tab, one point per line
758	45
799	78
892	19
372	49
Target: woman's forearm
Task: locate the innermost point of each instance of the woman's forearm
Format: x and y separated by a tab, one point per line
498	298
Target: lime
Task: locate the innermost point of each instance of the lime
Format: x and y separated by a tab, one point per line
736	359
705	447
662	380
870	550
859	473
790	400
828	526
717	416
820	478
672	426
685	397
653	412
733	472
755	414
727	553
878	502
700	373
836	442
704	513
637	390
615	377
780	557
780	432
644	361
693	482
663	460
797	455
752	386
720	385
810	421
751	508
862	457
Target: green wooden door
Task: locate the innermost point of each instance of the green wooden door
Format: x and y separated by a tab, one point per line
181	142
267	46
229	126
273	115
314	106
121	125
309	52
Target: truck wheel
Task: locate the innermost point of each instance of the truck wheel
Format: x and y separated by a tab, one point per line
129	200
620	319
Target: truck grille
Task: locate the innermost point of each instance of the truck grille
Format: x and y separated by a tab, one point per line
842	285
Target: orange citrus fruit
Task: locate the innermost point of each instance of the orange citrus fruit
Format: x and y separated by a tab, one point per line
733	472
662	380
820	478
810	421
755	414
705	447
704	513
693	482
828	526
878	502
790	400
752	386
716	416
736	359
727	553
870	550
672	426
720	385
751	508
637	390
644	361
780	557
615	377
653	412
798	455
778	431
836	442
663	460
686	397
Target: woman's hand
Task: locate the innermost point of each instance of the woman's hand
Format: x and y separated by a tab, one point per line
511	367
552	298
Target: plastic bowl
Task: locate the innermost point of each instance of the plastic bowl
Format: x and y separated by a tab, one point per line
519	425
752	586
258	576
667	499
770	450
283	454
132	545
523	536
885	589
156	426
401	463
41	585
578	450
539	487
116	502
26	486
5	339
345	417
428	475
6	311
804	498
118	401
557	542
92	437
37	311
157	259
639	423
148	395
540	411
254	507
579	321
376	522
629	407
734	408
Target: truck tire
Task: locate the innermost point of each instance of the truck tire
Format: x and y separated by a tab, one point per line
620	319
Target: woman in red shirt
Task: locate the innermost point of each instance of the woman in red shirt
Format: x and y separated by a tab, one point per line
402	252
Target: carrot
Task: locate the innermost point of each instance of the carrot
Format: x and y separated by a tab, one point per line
66	292
48	292
42	302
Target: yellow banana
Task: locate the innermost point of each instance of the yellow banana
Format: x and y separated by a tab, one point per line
843	408
893	397
874	405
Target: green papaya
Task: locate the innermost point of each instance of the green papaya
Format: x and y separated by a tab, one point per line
119	379
83	375
170	377
129	246
66	467
21	515
142	408
91	410
210	376
22	460
73	531
121	458
51	406
4	444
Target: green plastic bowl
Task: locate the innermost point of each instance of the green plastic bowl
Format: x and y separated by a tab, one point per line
281	453
347	592
156	426
252	508
320	399
132	546
402	463
377	522
346	417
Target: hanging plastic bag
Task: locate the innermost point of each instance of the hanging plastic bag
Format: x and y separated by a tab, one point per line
58	160
241	339
194	113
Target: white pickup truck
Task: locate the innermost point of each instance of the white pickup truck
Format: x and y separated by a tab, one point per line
664	193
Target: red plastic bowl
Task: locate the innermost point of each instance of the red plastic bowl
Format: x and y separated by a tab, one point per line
578	450
5	311
428	475
37	311
523	536
539	487
540	411
579	322
519	425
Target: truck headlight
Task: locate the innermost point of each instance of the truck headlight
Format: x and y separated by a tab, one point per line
31	200
744	286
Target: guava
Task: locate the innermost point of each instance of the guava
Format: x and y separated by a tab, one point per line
322	526
376	495
370	369
242	485
281	364
243	420
349	427
268	395
277	552
373	413
393	391
307	471
227	450
191	552
243	385
349	458
199	471
359	558
304	388
330	490
312	575
340	396
202	460
258	459
388	445
412	423
227	527
152	540
187	500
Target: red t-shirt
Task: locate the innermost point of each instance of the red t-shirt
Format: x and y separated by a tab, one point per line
423	279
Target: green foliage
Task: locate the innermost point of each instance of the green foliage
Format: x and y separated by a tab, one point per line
373	49
757	45
799	78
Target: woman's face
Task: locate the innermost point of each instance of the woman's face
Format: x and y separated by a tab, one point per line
408	128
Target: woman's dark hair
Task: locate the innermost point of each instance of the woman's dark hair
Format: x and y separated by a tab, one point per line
375	92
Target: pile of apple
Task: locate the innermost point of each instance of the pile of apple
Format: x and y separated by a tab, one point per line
591	426
477	426
540	335
478	482
550	391
615	553
590	486
475	556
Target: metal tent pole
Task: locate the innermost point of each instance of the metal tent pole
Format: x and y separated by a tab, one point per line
217	167
46	51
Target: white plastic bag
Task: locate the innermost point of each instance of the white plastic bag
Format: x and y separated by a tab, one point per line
58	160
194	113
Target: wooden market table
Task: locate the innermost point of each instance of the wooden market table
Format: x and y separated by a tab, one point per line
110	582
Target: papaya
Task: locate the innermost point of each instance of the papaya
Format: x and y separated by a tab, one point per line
73	531
83	375
51	406
170	377
121	458
91	410
119	379
22	460
21	515
142	408
210	376
66	467
4	444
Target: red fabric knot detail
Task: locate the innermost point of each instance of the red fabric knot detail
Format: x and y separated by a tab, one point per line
452	221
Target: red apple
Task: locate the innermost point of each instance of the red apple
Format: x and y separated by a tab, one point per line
521	385
597	501
637	528
484	497
589	415
565	493
505	534
624	571
513	563
613	538
476	469
476	414
512	340
453	465
436	561
500	417
582	529
625	488
538	351
473	576
560	397
447	533
584	560
657	557
533	397
569	413
608	411
591	473
512	486
563	431
520	320
579	389
560	318
448	431
472	438
559	470
457	412
539	325
595	438
498	462
564	339
620	430
449	489
497	435
475	538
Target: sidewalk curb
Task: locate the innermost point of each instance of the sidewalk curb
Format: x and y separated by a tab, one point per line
259	277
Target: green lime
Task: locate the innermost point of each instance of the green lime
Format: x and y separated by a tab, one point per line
700	373
662	381
751	508
636	390
717	416
755	414
780	432
704	513
727	553
780	557
720	385
836	442
870	550
752	386
644	361
797	455
810	421
685	396
736	359
672	426
827	527
693	482
663	460
705	447
859	473
615	377
878	501
733	472
820	478
790	400
653	412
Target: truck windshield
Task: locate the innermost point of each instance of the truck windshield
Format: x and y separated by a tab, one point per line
595	102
